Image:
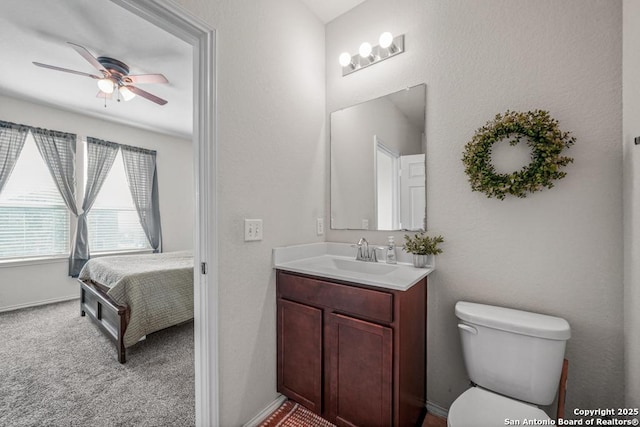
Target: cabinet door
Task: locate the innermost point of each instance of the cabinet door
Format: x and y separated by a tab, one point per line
300	353
360	367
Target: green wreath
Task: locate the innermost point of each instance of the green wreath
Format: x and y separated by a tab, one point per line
541	133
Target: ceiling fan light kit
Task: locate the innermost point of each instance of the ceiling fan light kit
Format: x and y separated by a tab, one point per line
126	94
106	85
115	74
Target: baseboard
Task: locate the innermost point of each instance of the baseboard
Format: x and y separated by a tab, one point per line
38	303
434	409
262	415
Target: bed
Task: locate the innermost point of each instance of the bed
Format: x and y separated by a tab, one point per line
130	296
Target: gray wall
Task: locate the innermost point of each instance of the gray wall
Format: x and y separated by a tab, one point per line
631	129
558	251
271	165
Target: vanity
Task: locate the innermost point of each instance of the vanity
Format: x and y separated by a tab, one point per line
351	335
352	332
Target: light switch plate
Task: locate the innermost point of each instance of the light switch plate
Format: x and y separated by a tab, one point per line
319	226
252	230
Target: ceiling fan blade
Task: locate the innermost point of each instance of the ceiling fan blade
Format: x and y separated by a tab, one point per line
145	78
104	95
88	56
147	95
66	70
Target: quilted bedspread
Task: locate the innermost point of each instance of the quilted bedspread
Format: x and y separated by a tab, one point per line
158	288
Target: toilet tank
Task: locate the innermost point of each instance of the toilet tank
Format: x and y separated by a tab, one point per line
515	353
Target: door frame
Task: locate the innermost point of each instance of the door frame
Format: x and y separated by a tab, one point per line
380	146
191	29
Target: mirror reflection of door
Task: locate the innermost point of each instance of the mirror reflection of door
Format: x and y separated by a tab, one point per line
387	186
412	191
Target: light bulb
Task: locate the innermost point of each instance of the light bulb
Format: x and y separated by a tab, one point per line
386	40
365	50
345	59
105	85
126	93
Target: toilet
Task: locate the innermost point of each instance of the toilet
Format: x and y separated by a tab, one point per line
514	359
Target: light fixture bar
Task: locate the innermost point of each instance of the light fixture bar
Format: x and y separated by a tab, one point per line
377	54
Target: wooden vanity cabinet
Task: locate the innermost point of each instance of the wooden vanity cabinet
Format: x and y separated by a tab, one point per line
354	354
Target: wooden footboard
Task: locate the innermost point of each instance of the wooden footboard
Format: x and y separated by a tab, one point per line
110	316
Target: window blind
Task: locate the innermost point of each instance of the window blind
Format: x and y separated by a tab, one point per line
34	220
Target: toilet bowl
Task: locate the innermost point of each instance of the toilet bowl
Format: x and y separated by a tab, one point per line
478	407
514	361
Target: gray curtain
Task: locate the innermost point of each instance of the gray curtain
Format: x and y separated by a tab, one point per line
58	149
141	171
100	157
12	137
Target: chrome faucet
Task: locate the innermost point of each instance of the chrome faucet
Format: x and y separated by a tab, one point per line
365	253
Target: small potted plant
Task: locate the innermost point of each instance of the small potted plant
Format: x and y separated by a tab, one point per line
423	248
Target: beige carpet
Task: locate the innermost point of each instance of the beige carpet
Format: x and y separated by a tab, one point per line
291	414
58	369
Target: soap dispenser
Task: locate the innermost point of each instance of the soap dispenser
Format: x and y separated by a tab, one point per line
391	251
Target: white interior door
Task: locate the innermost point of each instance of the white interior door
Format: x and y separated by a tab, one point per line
412	191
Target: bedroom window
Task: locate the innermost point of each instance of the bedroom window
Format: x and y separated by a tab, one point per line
34	221
113	220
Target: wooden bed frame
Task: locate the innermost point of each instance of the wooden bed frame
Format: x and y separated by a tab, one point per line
110	316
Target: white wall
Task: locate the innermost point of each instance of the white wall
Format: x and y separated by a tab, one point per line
271	165
558	251
631	129
36	283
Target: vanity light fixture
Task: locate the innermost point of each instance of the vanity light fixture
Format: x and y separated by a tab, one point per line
365	52
388	46
386	41
346	60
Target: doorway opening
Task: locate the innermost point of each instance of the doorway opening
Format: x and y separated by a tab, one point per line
197	33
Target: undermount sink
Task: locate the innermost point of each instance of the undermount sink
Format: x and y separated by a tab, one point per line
337	261
363	267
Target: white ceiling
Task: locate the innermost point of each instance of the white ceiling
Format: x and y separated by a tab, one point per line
38	30
328	10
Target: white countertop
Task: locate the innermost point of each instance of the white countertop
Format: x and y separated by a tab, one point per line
337	261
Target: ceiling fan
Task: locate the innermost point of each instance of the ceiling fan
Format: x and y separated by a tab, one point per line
115	75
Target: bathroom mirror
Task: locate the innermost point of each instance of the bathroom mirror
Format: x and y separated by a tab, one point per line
378	163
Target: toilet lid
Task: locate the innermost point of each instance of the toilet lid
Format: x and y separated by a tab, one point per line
477	407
